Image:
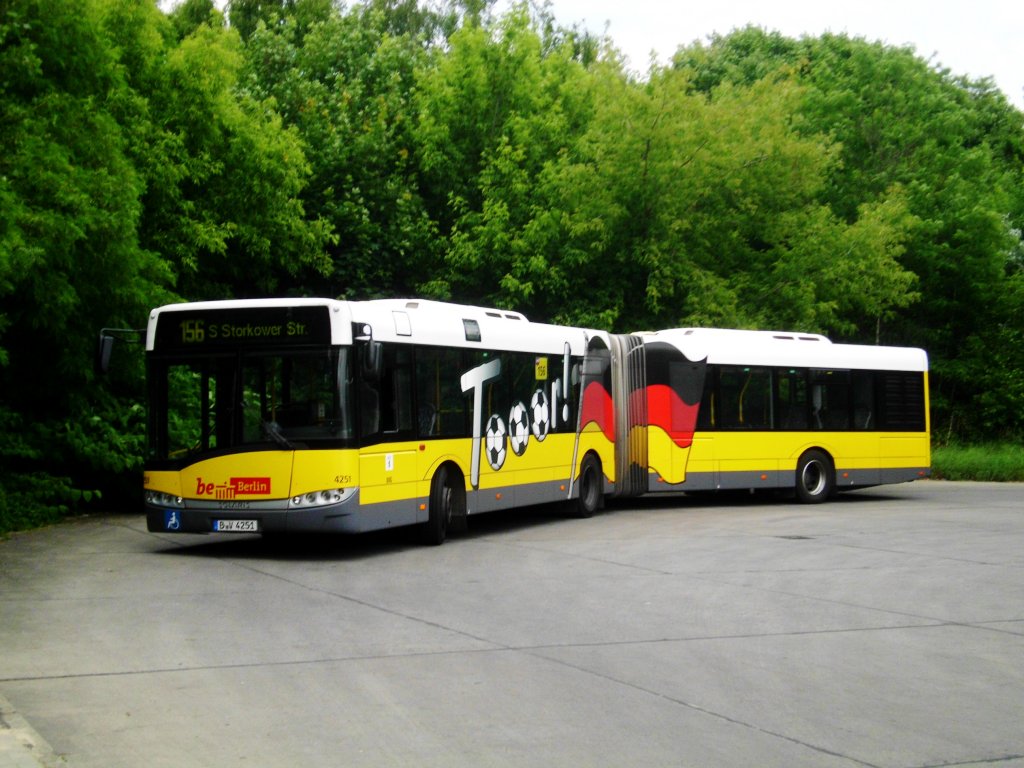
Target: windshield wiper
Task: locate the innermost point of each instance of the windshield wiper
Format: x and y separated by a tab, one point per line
273	430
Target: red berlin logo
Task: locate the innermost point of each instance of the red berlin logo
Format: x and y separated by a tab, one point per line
236	486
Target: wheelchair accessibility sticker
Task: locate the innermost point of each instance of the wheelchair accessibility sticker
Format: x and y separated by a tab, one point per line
172	520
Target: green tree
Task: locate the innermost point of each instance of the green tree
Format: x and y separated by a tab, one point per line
345	86
70	261
129	167
591	197
187	16
226	211
502	105
247	16
952	148
70	256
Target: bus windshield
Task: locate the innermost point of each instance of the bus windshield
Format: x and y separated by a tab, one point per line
246	400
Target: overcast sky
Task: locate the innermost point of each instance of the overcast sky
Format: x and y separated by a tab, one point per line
979	38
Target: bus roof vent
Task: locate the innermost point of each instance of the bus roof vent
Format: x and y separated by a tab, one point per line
403	326
412	305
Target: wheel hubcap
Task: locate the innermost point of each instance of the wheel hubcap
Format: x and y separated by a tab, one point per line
814	478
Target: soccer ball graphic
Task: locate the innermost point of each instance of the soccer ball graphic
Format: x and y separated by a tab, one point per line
540	412
518	428
494	441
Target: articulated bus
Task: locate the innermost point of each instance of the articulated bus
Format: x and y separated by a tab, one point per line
311	415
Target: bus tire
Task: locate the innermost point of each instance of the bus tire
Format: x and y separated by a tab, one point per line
447	501
591	497
815	477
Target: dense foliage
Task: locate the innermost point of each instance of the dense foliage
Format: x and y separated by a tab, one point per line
299	147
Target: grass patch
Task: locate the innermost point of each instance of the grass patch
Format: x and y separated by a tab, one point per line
1000	462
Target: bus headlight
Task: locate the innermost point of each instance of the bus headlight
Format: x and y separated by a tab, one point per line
161	499
321	498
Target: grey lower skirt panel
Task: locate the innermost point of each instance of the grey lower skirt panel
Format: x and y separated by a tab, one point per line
350	516
493	499
724	481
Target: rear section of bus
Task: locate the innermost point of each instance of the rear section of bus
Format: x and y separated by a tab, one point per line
763	410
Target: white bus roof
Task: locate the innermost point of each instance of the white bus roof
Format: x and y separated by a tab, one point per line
782	348
417	321
438	323
452	325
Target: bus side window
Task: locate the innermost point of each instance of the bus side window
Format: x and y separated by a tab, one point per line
757	399
439	400
369	402
730	406
396	390
792	399
746	400
830	400
496	399
901	402
863	386
385	405
706	417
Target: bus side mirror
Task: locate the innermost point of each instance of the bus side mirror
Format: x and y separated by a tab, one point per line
373	361
104	347
105	344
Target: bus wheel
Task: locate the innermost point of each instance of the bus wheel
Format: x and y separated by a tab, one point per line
591	497
815	477
447	500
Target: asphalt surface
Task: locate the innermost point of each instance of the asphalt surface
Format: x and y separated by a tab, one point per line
885	628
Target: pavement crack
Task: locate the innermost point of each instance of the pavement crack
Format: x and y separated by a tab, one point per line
708	712
366	604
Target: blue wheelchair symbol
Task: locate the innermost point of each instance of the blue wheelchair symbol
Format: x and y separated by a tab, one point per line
171	520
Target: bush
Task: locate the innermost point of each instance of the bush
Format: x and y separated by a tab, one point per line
1001	462
49	470
30	500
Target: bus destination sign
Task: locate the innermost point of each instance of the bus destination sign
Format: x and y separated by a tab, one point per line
203	329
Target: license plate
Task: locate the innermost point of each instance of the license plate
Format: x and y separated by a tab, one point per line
236	526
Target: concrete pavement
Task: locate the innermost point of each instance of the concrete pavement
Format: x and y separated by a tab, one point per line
20	745
883	629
